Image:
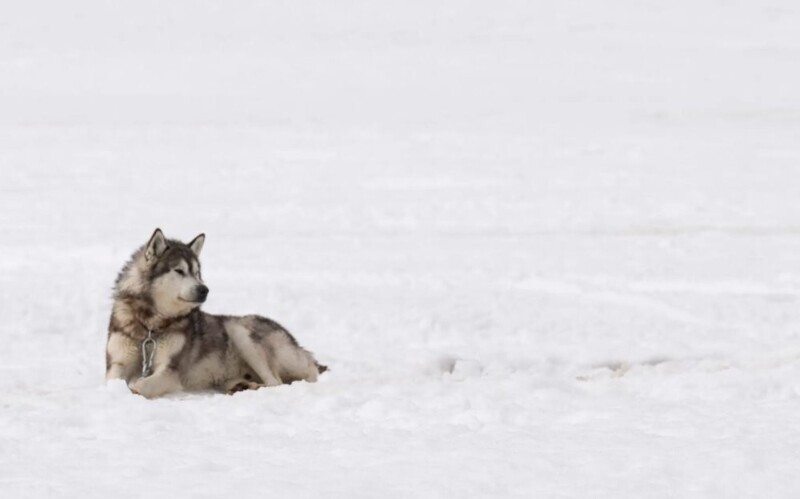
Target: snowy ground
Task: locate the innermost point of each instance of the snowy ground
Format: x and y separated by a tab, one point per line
547	250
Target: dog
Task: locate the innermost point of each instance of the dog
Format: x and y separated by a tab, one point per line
160	342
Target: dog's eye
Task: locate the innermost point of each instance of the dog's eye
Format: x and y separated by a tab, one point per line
180	272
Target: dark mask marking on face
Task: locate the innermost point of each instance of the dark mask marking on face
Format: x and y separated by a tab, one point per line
171	258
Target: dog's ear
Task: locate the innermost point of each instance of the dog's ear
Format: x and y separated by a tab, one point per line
197	244
156	246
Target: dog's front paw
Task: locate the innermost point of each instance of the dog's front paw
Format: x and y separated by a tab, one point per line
158	384
143	387
242	386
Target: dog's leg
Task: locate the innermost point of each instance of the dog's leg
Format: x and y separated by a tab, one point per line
253	354
119	371
122	357
165	378
241	385
159	383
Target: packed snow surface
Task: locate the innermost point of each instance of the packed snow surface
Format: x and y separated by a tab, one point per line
547	249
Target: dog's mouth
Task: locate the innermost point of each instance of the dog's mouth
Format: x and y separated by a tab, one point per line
193	302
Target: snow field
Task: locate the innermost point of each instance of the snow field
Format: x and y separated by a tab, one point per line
546	250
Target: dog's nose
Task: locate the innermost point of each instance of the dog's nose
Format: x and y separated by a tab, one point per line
202	292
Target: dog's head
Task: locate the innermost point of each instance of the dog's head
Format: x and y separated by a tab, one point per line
168	273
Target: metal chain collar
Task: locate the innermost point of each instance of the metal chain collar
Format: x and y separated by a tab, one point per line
148	352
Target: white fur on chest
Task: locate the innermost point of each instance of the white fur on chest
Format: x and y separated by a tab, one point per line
167	346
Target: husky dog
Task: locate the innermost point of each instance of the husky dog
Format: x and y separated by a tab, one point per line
160	342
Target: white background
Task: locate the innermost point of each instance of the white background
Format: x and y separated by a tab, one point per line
546	249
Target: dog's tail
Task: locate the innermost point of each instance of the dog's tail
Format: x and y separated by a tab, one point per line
320	367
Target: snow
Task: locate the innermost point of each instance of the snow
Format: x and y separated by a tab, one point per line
547	250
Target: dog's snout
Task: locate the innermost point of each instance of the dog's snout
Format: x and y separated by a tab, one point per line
202	292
